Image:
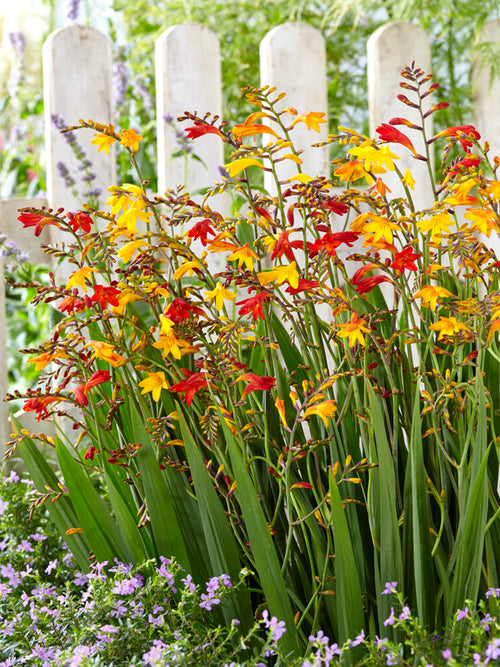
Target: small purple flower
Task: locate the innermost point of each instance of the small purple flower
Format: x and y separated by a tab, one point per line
80	579
155	653
278	628
391	619
495	592
462	613
38	537
493	650
26	546
208	601
51	566
485	622
4	504
13	477
390	587
320	638
188	583
128	586
359	639
447	654
405	614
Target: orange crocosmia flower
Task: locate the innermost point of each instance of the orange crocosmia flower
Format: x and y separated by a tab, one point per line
105	295
447	326
302	286
353	330
312	119
381	187
392	135
494	327
39	405
104	140
485	220
96	378
280	407
460	196
106	352
325	410
250	128
80	220
431	293
245	255
350	171
256	383
43	360
130	139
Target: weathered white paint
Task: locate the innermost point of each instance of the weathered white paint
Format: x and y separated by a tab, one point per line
188	78
389	49
27	241
77	76
293	60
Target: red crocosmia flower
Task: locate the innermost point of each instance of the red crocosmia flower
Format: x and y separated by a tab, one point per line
96	378
263	212
80	395
71	304
302	286
105	295
335	205
405	260
464	164
405	122
363	284
394	136
80	220
200	230
200	128
90	453
462	133
39	405
253	305
284	246
180	310
193	383
256	383
36	220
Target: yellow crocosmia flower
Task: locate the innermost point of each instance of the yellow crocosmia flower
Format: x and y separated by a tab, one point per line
380	228
129	217
104	141
438	224
447	326
371	155
280	274
219	293
77	279
130	139
302	178
187	267
106	352
125	196
312	120
237	166
127	251
125	297
353	330
431	293
245	255
154	383
325	410
280	407
293	158
408	179
485	220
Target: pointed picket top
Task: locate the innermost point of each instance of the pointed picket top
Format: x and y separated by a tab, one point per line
188	78
293	60
389	49
77	76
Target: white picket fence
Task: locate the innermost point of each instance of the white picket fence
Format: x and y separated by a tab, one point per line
77	80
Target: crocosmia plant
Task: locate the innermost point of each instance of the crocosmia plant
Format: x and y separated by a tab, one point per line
231	392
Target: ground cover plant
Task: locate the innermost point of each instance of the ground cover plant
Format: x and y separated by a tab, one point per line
328	424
